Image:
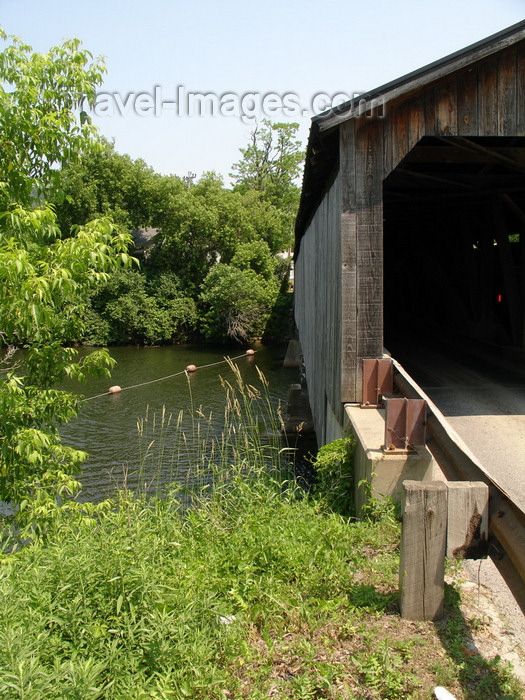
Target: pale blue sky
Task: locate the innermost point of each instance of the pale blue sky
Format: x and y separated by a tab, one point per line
294	47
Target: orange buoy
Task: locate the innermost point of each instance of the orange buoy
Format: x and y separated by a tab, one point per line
190	368
114	389
250	352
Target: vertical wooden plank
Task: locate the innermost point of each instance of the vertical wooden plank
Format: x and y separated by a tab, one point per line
507	91
468	519
520	90
423	546
369	205
334	296
430	110
446	108
416	121
387	142
468	124
400	128
488	98
349	391
318	305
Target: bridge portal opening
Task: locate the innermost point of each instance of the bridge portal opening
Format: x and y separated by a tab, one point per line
454	241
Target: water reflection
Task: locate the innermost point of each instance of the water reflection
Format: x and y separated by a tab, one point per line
169	414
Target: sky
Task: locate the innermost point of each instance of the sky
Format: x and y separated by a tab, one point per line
279	59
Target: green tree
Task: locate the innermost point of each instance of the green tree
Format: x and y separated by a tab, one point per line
271	165
42	125
45	278
255	256
236	304
129	308
104	183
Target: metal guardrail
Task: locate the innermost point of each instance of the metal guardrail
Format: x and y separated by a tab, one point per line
506	519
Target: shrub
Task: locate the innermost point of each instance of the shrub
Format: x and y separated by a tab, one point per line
237	304
334	468
130	308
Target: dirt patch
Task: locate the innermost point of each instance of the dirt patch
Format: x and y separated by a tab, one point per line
493	632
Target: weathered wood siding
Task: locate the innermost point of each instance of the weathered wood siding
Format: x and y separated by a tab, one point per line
362	249
486	99
339	270
318	302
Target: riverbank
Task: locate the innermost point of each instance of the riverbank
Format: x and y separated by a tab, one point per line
233	582
255	592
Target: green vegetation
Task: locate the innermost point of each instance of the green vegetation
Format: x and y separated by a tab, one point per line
270	165
133	308
46	278
232	583
334	475
67	204
220	245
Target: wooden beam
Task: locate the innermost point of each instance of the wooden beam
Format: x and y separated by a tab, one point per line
490	155
468	519
423	547
457	155
435	178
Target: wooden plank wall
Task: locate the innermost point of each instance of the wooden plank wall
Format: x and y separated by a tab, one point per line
318	303
486	99
361	165
339	272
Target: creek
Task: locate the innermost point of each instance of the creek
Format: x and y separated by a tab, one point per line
107	427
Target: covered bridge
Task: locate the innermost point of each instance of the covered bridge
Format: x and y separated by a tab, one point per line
412	216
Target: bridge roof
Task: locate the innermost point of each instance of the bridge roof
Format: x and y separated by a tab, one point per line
322	154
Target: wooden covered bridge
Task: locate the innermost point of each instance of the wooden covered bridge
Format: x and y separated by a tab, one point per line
412	216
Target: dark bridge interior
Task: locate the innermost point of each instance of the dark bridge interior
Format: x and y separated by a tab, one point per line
454	240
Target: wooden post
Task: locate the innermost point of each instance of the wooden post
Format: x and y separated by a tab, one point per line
468	519
423	547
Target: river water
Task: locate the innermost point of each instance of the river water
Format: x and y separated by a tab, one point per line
109	427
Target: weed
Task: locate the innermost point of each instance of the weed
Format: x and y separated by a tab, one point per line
255	591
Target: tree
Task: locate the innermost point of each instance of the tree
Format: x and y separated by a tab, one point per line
270	165
45	278
42	124
237	304
255	256
105	183
130	308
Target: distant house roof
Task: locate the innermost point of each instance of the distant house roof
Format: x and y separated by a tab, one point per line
323	144
143	237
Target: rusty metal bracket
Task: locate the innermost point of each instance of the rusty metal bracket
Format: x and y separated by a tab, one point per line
378	380
405	424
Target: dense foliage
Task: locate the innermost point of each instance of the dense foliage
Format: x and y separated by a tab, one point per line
270	166
68	203
206	236
45	278
133	308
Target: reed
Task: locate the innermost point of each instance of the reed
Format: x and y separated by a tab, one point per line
258	590
247	439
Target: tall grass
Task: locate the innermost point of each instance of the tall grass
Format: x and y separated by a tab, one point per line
256	591
250	439
147	601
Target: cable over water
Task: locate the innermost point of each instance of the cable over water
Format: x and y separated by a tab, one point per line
170	376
